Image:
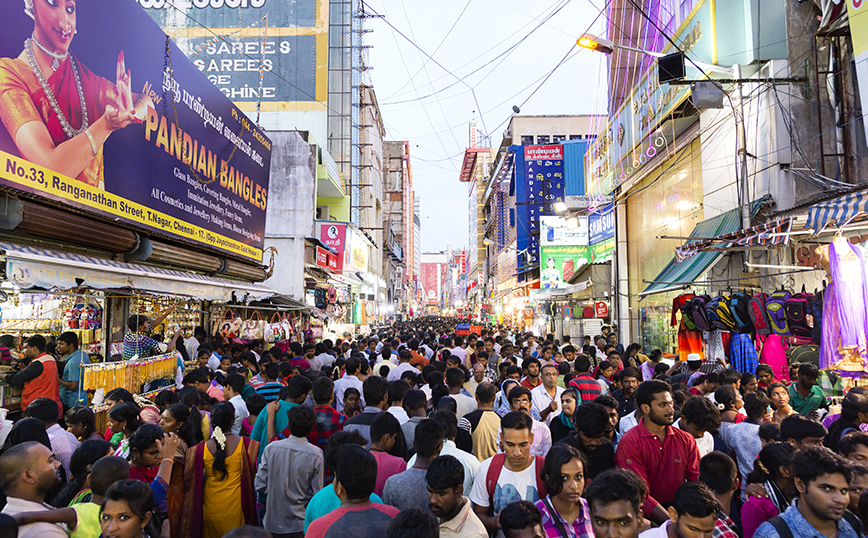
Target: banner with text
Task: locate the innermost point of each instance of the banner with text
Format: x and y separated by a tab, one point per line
559	263
126	127
544	177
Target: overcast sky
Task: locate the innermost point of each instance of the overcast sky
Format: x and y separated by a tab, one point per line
423	103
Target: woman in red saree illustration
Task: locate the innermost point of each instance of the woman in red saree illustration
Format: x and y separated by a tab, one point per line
58	112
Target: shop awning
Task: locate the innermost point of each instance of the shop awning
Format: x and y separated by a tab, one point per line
677	273
838	211
766	234
30	267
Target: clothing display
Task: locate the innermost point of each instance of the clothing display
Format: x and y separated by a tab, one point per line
773	354
844	346
689	341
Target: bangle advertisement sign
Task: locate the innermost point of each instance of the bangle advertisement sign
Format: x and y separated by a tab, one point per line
121	124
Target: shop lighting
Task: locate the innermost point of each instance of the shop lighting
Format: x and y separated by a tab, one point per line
560	207
572	223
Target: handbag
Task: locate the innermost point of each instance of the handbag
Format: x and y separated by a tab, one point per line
228	326
273	331
286	325
253	328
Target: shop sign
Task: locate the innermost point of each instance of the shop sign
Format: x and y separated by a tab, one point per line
601	309
554	231
334	235
603	252
559	263
356	256
601	224
543	186
326	259
190	164
857	11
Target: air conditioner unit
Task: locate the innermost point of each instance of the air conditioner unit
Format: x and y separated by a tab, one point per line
322	212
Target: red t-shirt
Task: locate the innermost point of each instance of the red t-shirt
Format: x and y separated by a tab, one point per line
526	383
387	465
366	521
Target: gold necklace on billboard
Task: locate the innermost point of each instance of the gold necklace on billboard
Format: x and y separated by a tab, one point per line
34	65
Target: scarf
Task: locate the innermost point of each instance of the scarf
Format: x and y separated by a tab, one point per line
566	421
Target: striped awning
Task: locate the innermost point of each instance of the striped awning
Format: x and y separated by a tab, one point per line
838	211
770	233
30	267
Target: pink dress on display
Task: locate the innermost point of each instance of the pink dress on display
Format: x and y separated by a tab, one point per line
773	354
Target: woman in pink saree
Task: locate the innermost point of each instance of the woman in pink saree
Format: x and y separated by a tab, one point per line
58	112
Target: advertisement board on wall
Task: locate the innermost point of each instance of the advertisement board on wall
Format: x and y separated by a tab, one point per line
543	186
126	127
334	235
554	231
601	224
857	11
229	41
559	263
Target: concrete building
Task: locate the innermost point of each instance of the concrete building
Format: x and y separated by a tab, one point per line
398	193
432	280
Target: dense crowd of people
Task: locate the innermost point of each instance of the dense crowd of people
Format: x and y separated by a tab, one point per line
417	431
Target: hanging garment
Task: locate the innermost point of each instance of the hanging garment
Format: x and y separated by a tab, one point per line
774	355
844	346
716	351
742	353
688	341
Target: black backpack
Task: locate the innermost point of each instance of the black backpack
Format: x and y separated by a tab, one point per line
740	306
815	309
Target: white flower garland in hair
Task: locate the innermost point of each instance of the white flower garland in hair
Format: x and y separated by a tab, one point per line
220	437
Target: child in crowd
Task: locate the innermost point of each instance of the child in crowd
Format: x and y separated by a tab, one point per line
255	404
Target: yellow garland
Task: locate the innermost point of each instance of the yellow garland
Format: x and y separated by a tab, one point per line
130	375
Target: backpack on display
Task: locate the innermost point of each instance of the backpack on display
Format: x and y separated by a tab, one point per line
698	313
776	312
758	315
796	309
687	315
719	314
815	309
740	307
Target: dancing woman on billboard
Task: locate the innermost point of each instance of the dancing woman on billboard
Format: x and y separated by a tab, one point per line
56	110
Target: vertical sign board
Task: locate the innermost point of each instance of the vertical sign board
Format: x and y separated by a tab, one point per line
544	185
857	11
334	235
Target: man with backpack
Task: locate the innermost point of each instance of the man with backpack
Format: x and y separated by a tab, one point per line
513	475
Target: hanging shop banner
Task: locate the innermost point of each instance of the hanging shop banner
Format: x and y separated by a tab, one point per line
544	185
126	127
554	231
266	53
601	309
334	235
326	259
601	224
603	252
357	253
857	11
559	263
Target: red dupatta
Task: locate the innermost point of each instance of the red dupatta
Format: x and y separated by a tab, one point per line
194	486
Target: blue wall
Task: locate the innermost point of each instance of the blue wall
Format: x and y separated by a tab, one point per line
574	166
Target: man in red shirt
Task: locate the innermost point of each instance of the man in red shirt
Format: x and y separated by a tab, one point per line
532	366
665	457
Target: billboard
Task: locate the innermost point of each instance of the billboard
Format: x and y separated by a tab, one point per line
335	235
554	231
559	263
121	124
601	224
230	41
543	186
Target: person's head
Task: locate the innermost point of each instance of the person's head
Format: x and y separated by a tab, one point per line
415	403
802	431
323	391
178	419
756	404
144	447
448	421
654	399
807	374
225	362
396	391
694	511
352	399
564	473
124	418
445	480
582	364
718	472
301	420
615	500
516	439
297	389
854	447
513	372
769	432
203	354
728	399
127	509
858	484
105	472
487	394
29	470
375	389
44	409
233	385
247	531
822	479
779	395
569	397
774	462
549	375
197	379
429	438
414	523
709	383
630	378
67	343
764	375
385	429
748	383
478	372
854	405
80	422
592	425
270	371
355	472
531	366
519	399
521	519
80	463
606	369
698	416
309	351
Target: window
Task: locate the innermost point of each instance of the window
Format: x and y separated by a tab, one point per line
542	139
527	140
512	217
575	137
559	138
686	7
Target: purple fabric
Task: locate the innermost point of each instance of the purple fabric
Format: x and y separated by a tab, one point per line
844	314
755	512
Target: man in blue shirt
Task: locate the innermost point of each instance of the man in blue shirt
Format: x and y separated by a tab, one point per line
822	480
71	393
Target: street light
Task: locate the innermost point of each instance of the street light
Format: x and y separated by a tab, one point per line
572	222
592	42
560	207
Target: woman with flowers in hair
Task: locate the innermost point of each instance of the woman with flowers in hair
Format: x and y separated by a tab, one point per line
218	477
58	112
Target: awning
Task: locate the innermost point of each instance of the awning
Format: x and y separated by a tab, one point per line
678	273
838	211
767	234
29	267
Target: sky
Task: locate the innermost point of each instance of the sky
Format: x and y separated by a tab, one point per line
475	58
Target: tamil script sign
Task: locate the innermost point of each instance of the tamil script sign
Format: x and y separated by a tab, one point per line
126	127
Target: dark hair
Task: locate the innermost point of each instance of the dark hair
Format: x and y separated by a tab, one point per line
695	499
428	437
516	420
770	431
809	370
454	378
396	390
519	515
582	363
236	382
729	377
84	456
323	390
812	462
165	398
145	437
36	341
854	403
558	456
127	412
68	337
196	376
44	409
189	396
517	392
701	414
415	399
191	428
84	416
726	395
718	472
746	378
336	441
445	472
374	389
448	420
773	386
592	420
486	392
138	497
772	457
616	485
247	531
106	471
384	424
350	391
799	427
414	523
222	416
755	405
646	391
301	420
297	386
356	469
849	442
631	372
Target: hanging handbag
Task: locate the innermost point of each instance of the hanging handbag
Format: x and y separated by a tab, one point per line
229	325
253	328
273	329
286	325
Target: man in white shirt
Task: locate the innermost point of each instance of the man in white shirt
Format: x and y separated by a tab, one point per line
699	417
353	377
454	381
628	422
322	356
192	344
63	443
27	472
546	397
459	351
396	391
694	512
232	387
404	356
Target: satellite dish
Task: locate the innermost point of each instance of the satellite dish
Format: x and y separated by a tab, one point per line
516	109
